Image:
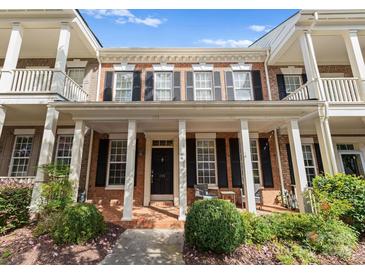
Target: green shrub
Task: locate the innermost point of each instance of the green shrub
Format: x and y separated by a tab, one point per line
57	192
342	196
77	224
214	225
262	230
291	253
14	202
333	237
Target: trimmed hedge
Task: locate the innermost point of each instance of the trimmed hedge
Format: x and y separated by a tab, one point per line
14	202
214	225
77	224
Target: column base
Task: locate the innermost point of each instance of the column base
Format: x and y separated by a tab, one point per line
127	219
182	218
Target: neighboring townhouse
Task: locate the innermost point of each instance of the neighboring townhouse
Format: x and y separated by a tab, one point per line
142	125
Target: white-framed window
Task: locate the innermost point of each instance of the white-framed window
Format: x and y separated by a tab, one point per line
77	74
309	163
21	155
163	86
255	159
203	90
292	82
206	166
117	162
64	150
242	85
123	86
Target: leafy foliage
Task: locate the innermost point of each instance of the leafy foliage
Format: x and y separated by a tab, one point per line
77	224
290	253
214	225
57	192
342	196
14	203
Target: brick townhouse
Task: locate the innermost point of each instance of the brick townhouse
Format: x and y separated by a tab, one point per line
151	124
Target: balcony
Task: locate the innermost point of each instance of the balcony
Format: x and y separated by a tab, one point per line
42	82
334	90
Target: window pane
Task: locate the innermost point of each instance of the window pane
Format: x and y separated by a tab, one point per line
77	74
203	86
64	149
163	84
117	162
292	82
123	86
242	85
309	164
206	164
21	155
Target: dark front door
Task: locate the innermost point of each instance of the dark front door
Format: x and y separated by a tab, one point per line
352	164
162	171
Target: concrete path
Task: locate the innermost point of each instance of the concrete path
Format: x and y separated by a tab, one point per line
147	246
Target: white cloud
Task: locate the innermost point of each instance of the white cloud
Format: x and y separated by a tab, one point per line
230	43
260	28
124	16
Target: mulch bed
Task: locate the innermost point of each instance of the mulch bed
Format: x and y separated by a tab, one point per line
263	255
21	247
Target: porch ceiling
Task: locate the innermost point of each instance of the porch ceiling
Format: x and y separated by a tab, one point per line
201	117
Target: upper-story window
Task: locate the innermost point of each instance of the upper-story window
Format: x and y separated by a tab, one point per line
292	82
242	85
123	86
77	74
163	86
203	86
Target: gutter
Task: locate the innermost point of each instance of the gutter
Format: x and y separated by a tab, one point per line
267	74
99	76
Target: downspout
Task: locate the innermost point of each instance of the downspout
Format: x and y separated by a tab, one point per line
282	187
99	76
267	74
89	163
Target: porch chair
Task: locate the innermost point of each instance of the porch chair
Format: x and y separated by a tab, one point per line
201	192
258	195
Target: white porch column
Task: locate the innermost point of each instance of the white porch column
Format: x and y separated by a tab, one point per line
246	166
182	171
12	56
356	59
326	145
76	156
45	156
129	173
310	64
61	58
298	162
2	118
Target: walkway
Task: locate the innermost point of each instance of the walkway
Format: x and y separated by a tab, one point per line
147	246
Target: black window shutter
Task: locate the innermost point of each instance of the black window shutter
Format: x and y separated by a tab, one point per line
189	86
234	150
290	162
108	86
229	86
257	86
136	164
304	78
221	162
191	162
102	162
266	162
281	86
177	86
217	85
319	158
136	95
148	91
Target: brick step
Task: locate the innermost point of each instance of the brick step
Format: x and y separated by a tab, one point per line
162	203
104	201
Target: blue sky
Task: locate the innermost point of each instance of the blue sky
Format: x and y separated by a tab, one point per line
182	28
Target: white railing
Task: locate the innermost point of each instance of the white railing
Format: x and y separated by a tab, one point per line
340	90
334	90
42	80
300	94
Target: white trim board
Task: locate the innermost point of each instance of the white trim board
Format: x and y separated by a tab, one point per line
24	131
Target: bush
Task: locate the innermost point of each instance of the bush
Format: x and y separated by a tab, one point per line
291	253
214	225
77	224
342	196
327	236
14	202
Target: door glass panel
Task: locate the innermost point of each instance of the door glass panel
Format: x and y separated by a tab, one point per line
352	164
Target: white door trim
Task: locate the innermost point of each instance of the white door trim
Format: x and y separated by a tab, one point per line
150	136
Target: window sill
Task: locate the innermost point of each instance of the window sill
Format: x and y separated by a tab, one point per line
114	188
215	187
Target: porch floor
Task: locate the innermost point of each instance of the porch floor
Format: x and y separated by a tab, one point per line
158	215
